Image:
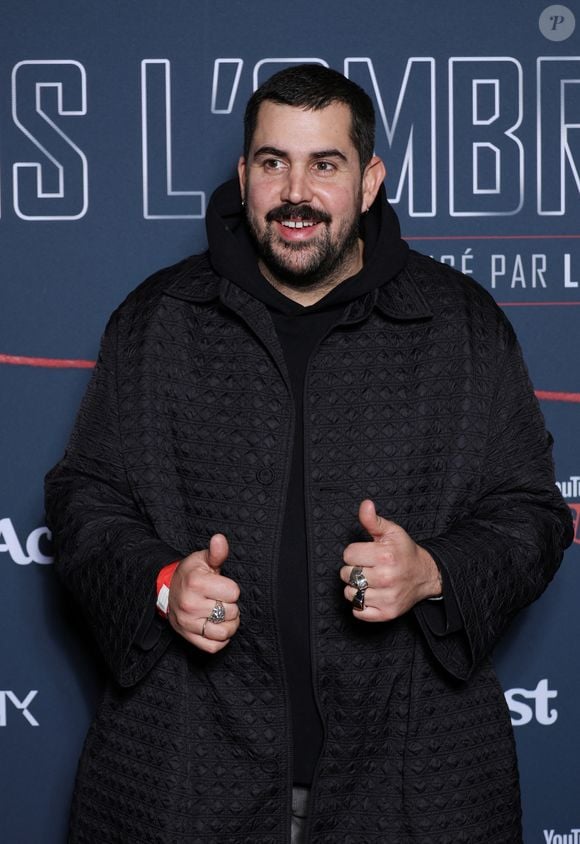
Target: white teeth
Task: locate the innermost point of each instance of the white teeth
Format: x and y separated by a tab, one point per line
296	224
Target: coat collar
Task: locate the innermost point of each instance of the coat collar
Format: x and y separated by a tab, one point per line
400	298
194	280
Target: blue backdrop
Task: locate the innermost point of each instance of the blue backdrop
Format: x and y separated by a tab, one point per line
116	122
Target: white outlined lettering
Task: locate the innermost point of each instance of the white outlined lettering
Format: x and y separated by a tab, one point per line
558	133
488	147
161	201
410	133
56	187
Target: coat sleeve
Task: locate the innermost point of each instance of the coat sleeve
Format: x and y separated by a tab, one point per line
500	555
106	551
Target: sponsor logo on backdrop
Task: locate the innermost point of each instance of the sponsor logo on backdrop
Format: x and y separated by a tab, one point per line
552	837
527	705
36	549
12	706
575	507
570	488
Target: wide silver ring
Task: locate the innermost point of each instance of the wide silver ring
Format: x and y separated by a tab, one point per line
358	602
218	614
357	579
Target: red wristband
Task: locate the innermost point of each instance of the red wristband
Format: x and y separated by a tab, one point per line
163	583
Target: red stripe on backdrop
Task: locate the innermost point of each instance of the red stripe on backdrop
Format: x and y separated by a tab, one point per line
54	363
492	237
550	395
538	304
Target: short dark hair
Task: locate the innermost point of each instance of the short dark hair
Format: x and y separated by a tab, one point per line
313	86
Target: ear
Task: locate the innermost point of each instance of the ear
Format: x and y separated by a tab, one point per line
242	175
373	178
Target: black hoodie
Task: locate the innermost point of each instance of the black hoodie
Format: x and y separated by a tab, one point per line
300	329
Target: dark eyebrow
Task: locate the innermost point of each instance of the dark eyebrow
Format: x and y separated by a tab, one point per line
330	153
280	153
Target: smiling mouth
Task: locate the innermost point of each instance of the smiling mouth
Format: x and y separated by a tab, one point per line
297	216
298	224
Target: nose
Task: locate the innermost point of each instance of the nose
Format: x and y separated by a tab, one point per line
297	186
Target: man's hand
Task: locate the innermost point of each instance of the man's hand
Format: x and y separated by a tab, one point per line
399	572
195	588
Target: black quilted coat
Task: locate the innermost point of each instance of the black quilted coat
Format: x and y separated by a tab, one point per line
418	399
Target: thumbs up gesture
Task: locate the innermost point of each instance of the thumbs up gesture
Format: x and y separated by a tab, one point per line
399	573
197	589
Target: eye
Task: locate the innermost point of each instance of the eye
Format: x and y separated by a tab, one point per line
324	167
273	164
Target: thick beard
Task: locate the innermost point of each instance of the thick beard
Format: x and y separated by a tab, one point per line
324	259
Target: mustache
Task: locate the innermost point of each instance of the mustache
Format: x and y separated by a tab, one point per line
305	212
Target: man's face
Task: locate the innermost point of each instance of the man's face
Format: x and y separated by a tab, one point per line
304	194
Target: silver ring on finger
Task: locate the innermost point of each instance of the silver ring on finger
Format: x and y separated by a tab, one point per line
358	601
357	579
218	614
205	621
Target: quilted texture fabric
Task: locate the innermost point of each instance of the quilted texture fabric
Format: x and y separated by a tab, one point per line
418	399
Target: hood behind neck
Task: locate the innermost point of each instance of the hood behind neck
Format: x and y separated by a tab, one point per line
233	255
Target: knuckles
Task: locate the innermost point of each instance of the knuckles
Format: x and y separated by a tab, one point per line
195	584
372	554
220	634
186	604
384	556
212	646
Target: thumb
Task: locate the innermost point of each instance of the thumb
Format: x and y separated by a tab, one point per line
374	524
218	551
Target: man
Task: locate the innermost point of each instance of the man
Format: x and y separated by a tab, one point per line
319	455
